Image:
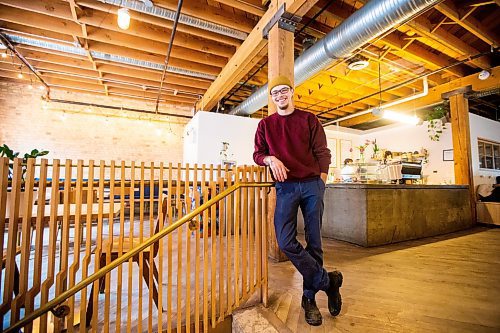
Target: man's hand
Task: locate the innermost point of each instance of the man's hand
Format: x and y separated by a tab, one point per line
277	167
323	177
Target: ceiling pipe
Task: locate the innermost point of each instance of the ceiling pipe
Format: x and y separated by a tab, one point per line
369	22
424	93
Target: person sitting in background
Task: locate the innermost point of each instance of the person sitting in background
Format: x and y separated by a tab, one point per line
348	172
489	193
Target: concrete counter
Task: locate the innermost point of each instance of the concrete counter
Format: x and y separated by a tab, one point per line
377	214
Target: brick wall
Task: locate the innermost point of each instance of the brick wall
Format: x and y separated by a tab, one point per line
79	132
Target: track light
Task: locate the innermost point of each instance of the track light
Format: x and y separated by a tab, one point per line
357	63
123	18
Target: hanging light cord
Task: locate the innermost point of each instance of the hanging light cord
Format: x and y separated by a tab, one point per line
172	36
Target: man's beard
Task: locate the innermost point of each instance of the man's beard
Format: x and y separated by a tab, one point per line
284	107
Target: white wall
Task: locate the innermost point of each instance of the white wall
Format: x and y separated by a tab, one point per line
207	130
485	129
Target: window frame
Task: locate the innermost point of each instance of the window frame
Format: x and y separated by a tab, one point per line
485	158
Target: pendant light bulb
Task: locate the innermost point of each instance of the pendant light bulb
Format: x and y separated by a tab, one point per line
20	75
123	18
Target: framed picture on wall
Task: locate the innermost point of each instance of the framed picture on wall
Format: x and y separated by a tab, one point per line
345	150
448	155
332	145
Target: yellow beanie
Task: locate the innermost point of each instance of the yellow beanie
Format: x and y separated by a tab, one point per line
277	81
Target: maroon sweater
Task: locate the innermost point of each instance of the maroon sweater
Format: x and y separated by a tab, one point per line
298	140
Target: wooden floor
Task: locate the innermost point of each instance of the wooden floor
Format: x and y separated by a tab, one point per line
441	284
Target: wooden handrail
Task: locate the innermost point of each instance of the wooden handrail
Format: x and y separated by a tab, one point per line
63	310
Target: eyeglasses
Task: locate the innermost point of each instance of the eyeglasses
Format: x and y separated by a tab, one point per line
282	91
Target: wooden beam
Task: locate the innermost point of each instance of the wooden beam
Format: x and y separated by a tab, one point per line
220	16
246	6
462	155
423	26
434	95
238	65
63	26
470	23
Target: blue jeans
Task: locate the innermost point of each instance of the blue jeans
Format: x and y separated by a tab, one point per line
308	195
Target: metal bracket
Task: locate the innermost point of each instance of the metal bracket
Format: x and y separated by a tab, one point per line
193	225
61	311
285	20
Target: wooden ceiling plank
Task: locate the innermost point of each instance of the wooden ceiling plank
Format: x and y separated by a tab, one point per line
245	6
19	16
423	26
469	23
103	20
220	16
157	21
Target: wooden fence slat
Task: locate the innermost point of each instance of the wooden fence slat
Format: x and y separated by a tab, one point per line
161	219
204	191
196	195
177	213
188	251
169	251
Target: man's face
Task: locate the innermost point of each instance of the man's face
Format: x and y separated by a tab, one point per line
282	96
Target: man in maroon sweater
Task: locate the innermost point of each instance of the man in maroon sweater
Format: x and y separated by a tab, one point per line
293	144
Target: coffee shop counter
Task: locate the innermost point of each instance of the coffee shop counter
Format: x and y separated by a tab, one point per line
378	214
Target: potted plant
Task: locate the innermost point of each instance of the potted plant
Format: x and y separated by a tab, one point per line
5	151
436	122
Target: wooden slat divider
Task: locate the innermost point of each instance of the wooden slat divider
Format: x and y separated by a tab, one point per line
61	276
4	180
251	227
213	244
169	252
119	282
161	219
25	239
176	214
233	251
131	244
221	251
75	266
229	231
204	191
108	249
141	239
196	194
38	255
187	208
151	172
88	247
237	224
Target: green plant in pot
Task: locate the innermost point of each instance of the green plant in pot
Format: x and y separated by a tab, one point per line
5	151
436	122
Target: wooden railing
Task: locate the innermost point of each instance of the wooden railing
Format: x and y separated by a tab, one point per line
130	247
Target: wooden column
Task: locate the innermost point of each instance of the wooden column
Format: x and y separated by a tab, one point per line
280	62
459	108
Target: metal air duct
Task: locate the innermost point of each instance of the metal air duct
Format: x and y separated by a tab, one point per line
367	23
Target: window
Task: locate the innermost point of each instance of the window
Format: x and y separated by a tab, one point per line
489	154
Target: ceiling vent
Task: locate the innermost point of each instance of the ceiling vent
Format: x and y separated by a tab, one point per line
357	63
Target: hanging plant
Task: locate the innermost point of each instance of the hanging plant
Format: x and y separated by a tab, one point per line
436	122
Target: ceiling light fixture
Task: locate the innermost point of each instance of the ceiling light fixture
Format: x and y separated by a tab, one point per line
402	118
483	75
123	18
20	75
357	63
4	55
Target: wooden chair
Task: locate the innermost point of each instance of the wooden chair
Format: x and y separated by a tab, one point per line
113	251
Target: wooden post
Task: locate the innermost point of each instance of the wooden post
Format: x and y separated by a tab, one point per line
459	108
280	62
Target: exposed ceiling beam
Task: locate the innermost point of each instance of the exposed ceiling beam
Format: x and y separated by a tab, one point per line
252	7
434	95
252	49
220	16
469	23
160	22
